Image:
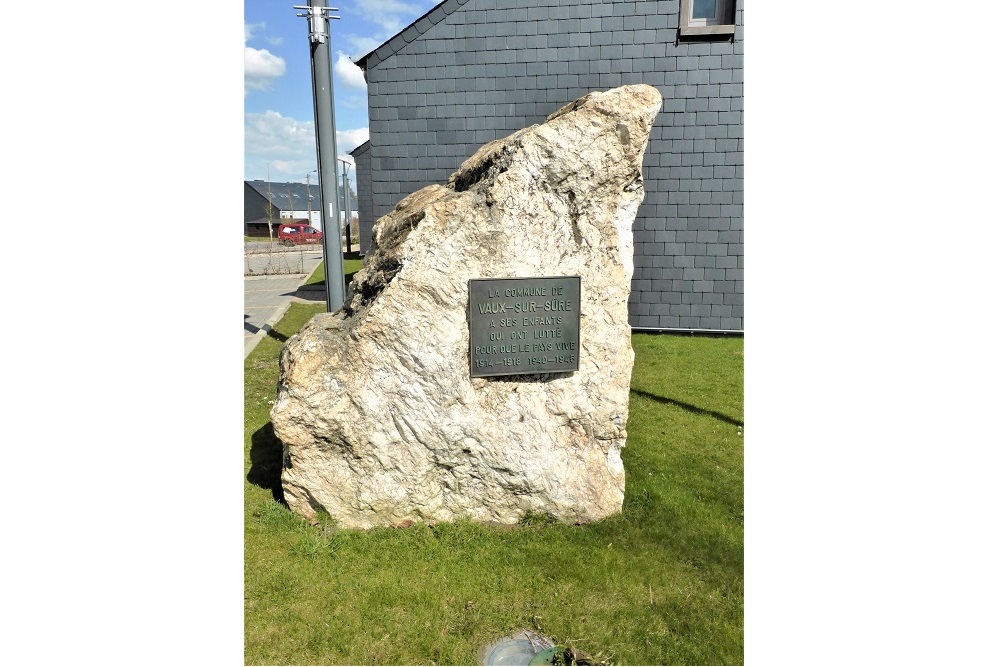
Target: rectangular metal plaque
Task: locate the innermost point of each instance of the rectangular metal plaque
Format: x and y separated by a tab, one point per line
524	325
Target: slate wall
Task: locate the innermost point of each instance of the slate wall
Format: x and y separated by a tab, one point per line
366	217
472	71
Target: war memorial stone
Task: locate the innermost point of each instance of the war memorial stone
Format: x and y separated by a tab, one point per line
480	366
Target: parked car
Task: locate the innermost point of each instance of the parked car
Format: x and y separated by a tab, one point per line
294	233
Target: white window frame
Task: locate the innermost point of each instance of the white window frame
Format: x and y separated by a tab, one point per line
722	24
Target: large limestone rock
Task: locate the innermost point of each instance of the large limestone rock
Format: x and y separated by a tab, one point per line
379	416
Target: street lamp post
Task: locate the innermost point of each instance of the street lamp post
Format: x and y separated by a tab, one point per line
347	206
309	197
347	203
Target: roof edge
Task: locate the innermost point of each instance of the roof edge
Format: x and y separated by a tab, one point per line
396	42
365	145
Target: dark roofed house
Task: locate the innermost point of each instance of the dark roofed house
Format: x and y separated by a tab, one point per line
290	201
472	71
255	212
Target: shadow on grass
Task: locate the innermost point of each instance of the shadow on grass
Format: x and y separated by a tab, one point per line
320	285
278	336
687	406
266	461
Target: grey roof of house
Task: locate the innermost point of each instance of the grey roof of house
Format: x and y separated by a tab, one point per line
282	193
361	149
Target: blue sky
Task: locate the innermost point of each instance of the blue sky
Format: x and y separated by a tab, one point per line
277	88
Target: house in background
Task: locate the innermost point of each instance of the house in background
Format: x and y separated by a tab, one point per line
471	71
366	215
300	202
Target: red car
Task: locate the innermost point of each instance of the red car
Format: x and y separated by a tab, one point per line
294	233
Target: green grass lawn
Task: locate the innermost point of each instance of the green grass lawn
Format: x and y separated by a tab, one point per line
661	583
352	264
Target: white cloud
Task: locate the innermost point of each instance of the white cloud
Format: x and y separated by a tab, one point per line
349	73
260	68
288	146
348	140
249	29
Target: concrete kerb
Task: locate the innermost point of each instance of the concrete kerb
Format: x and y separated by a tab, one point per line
251	343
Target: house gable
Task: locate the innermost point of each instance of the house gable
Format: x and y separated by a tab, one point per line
366	216
469	72
408	34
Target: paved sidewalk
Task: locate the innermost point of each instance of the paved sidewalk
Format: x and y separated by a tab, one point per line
266	299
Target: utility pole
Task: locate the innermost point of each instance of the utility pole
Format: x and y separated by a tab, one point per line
270	210
347	203
326	149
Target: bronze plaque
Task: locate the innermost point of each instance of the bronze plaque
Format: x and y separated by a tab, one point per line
524	325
